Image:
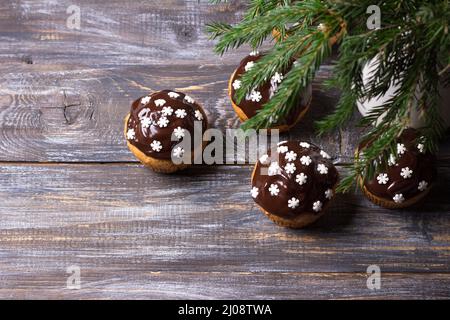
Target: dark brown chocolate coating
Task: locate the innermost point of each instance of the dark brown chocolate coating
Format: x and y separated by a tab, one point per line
312	192
412	172
267	90
151	110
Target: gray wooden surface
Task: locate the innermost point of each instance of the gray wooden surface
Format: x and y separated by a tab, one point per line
72	194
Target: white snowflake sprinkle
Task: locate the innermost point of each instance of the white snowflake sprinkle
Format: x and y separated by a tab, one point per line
277	78
306	160
264	159
322	169
274	190
324	154
173	95
282	149
290	156
255	96
406	173
305	145
421	147
179	132
146	122
198	115
392	160
290	168
237	84
163	122
317	206
423	185
156	146
401	149
383	178
254	192
398	198
178	152
301	178
274	169
329	194
131	134
254	53
293	203
145	100
189	99
249	65
160	102
180	113
167	111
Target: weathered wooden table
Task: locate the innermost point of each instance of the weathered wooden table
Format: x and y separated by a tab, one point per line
71	194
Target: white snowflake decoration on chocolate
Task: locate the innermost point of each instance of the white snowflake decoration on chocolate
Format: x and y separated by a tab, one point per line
167	111
198	115
329	194
180	113
156	146
254	192
421	147
290	156
179	132
274	169
189	99
237	84
145	100
392	161
173	95
322	169
249	65
305	145
274	190
301	178
178	152
423	185
163	122
324	154
282	149
146	122
277	77
293	203
255	96
290	168
401	149
398	198
160	102
264	159
383	178
131	134
306	160
406	173
317	206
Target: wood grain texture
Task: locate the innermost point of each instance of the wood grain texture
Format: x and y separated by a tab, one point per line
123	218
72	194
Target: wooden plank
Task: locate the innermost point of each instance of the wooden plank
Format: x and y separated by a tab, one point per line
116	283
65	92
201	220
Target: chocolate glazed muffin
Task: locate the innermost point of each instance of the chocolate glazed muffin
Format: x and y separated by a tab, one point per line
256	99
153	120
408	176
294	183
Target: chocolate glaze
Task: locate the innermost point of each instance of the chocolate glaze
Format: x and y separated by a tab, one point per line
421	164
308	193
144	136
250	107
